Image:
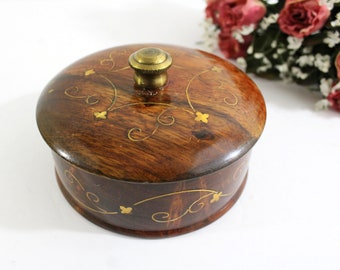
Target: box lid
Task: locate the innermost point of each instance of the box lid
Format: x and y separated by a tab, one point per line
151	113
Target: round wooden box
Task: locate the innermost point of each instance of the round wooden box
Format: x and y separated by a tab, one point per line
151	140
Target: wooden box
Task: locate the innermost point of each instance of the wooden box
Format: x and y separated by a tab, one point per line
151	140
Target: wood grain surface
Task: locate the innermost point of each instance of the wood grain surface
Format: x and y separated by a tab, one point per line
151	164
206	117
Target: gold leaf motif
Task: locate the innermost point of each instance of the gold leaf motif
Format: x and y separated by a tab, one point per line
216	197
203	117
50	91
89	72
100	115
92	202
216	69
125	210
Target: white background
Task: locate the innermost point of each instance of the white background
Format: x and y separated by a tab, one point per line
287	218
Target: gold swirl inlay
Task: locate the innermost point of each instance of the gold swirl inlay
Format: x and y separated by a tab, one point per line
136	133
92	202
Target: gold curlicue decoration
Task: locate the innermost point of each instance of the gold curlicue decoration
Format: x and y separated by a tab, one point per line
91	201
136	134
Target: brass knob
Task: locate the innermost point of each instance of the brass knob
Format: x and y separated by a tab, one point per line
150	65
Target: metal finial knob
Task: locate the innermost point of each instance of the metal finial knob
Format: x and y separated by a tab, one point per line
150	65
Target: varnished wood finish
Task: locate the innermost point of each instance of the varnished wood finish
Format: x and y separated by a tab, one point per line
152	210
151	164
140	231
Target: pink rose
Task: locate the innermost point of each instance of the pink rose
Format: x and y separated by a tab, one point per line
334	100
337	65
231	48
233	14
300	18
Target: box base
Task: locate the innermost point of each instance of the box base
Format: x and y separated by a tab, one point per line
153	234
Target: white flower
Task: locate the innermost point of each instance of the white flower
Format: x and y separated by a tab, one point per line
281	50
282	68
241	62
266	61
266	65
238	36
258	55
329	3
244	31
322	62
294	43
273	44
210	36
332	39
266	21
307	50
297	72
325	86
250	49
247	29
284	72
336	22
322	104
305	60
262	69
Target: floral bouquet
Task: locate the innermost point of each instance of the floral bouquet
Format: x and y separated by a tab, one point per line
293	40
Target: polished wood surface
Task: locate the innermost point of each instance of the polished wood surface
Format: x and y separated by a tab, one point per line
149	209
151	162
206	117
